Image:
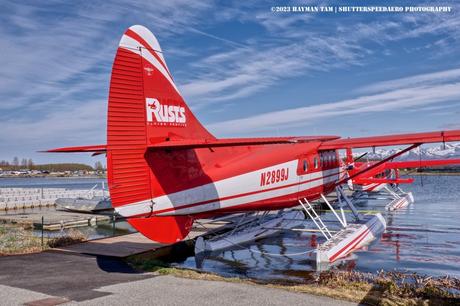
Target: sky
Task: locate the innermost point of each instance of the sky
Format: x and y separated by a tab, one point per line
244	70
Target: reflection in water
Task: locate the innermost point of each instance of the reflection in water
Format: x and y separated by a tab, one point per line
424	238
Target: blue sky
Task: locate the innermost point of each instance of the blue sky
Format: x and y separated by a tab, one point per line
244	70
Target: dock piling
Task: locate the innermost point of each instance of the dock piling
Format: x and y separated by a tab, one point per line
43	223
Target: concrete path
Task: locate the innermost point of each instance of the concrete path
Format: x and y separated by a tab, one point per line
53	278
170	290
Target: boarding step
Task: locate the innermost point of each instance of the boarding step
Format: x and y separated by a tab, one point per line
311	212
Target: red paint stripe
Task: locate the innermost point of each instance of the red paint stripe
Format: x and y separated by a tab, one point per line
345	247
140	40
401	203
234	196
238	195
351	242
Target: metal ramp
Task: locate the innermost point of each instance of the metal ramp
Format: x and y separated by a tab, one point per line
352	236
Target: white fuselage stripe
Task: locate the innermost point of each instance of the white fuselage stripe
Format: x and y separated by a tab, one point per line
237	190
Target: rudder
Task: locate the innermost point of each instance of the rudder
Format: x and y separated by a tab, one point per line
145	107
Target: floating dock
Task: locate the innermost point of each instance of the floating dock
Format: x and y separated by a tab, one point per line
52	219
24	198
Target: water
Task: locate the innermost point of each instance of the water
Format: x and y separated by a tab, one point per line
424	238
100	230
91	232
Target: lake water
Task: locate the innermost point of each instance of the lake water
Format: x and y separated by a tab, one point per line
423	238
92	232
51	182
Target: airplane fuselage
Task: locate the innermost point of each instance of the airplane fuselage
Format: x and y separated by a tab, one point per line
235	179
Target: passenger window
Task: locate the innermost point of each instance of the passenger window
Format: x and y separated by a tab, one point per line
305	166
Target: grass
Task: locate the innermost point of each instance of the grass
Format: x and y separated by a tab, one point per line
383	288
72	236
16	240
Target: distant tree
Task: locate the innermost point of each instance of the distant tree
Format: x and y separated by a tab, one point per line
24	163
30	163
63	167
98	166
15	161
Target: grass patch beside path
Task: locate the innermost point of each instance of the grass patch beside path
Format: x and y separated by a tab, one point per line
384	288
15	240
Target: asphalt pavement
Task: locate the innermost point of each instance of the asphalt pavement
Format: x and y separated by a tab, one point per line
55	278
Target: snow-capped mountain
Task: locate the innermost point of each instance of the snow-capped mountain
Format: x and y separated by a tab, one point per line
443	151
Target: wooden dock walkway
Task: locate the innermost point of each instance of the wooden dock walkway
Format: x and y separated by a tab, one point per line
53	219
118	246
130	244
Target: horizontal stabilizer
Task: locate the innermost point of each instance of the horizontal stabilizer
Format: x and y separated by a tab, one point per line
87	149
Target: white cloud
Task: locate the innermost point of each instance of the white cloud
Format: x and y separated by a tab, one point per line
416	91
440	77
56	62
244	71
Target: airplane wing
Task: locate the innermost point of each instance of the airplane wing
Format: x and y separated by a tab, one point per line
371	180
391	140
421	163
405	165
226	142
202	143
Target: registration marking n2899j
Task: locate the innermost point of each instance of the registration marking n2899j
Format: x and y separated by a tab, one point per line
274	176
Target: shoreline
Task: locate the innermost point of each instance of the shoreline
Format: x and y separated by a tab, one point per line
381	288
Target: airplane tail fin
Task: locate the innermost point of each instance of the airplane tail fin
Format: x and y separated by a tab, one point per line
145	107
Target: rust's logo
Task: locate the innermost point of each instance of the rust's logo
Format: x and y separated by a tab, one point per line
163	114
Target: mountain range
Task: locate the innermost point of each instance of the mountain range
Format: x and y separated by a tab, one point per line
443	151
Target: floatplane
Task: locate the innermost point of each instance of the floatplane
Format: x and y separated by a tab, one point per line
383	181
166	171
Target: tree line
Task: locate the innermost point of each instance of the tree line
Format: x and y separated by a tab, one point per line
28	164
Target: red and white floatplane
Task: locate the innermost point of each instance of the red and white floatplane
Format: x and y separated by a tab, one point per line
166	171
383	181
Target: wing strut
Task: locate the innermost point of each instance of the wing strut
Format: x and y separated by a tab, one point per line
344	180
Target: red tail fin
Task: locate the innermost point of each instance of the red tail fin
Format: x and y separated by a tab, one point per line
145	107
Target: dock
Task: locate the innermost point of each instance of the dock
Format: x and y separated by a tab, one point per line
24	198
132	244
51	219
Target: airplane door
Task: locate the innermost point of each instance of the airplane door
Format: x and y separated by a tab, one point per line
302	175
